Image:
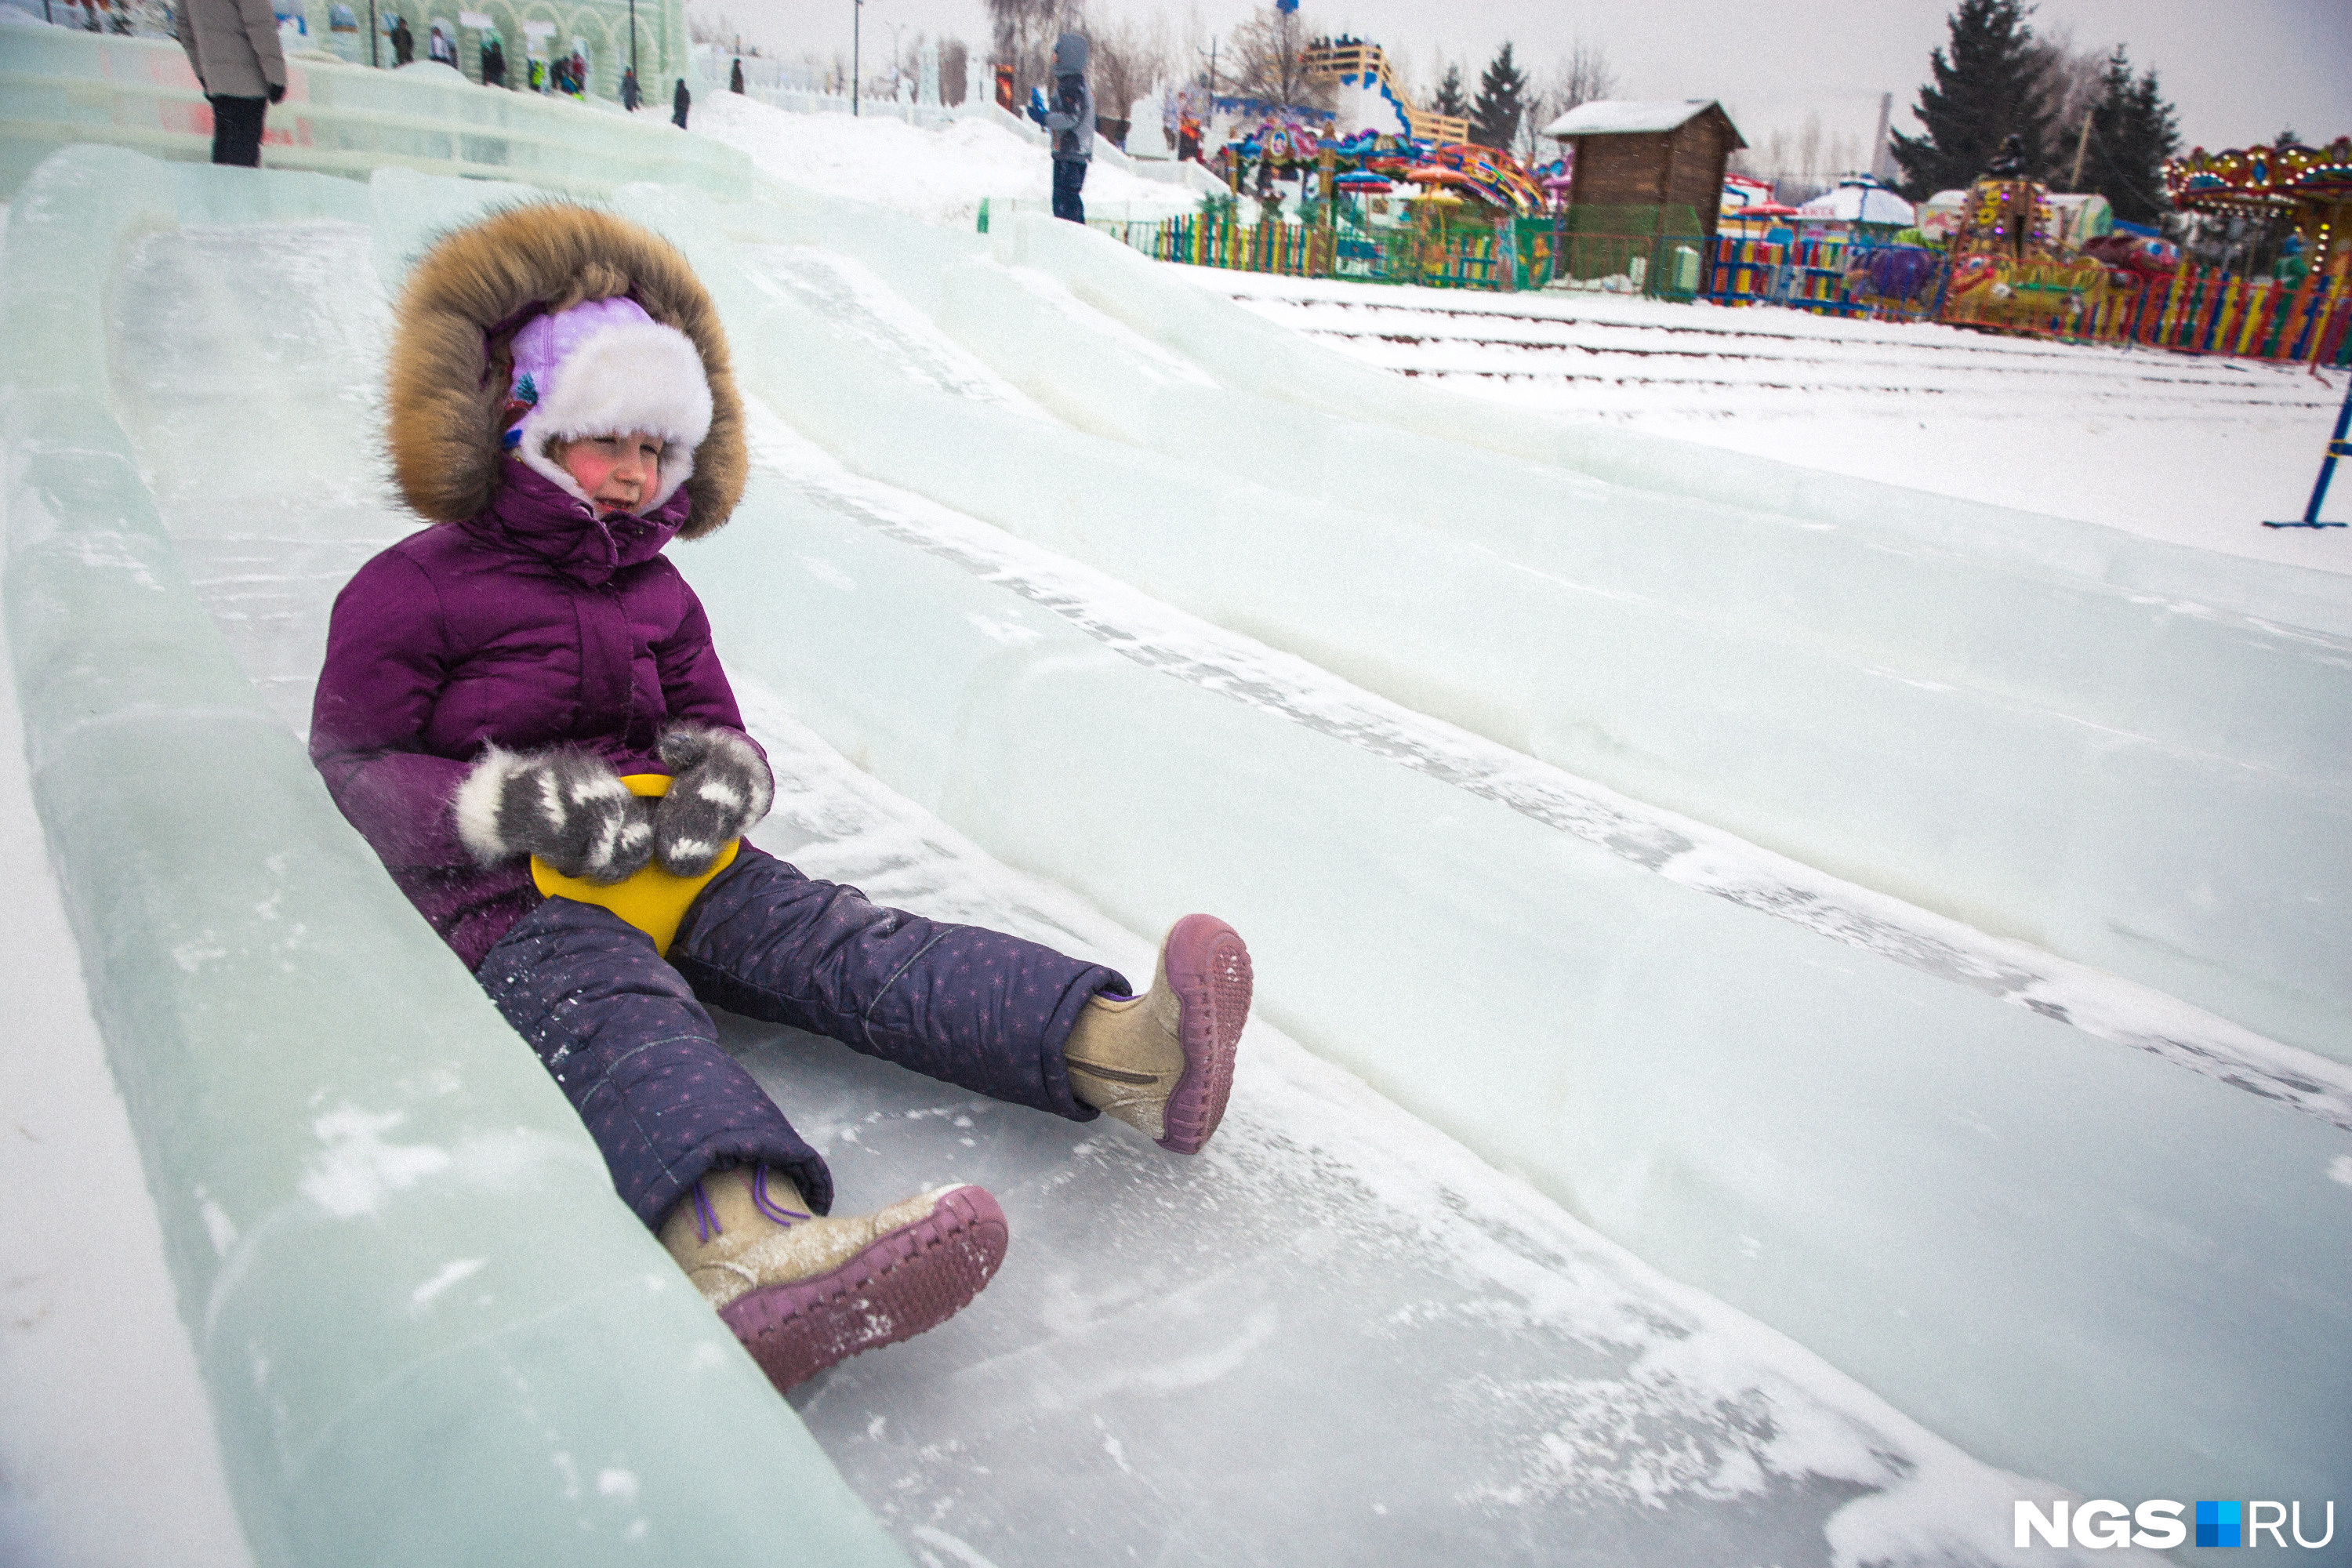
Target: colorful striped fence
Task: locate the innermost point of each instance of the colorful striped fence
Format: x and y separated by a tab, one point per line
2201	311
2196	310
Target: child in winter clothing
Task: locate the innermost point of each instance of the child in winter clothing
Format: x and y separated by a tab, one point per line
561	407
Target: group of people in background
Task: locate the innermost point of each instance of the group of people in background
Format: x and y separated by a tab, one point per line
240	65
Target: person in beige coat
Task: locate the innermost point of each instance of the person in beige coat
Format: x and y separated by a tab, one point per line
233	45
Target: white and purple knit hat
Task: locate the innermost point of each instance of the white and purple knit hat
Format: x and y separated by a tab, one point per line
606	368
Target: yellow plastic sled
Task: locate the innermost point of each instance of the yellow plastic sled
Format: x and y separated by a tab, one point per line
652	899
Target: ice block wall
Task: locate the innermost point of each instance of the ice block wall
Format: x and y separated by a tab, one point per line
430	1332
60	87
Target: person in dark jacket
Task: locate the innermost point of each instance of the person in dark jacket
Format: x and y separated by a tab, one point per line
494	63
1069	116
630	96
735	78
679	103
403	42
233	47
522	710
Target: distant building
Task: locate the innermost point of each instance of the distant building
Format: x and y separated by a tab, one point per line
1659	155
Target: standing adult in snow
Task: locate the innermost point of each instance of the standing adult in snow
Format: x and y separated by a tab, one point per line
403	42
440	45
735	78
1070	118
528	690
494	63
233	47
630	96
679	103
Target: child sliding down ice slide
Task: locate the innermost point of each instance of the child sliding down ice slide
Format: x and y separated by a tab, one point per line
560	408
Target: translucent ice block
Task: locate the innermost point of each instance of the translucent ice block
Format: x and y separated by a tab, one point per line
430	1332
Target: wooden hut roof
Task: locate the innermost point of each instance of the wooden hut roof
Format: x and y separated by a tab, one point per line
1626	117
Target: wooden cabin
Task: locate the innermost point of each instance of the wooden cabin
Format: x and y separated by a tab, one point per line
1660	155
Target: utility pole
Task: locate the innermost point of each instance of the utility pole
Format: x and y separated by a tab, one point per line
632	46
2082	145
856	14
374	32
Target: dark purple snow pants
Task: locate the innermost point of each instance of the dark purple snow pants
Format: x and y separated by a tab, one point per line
626	1034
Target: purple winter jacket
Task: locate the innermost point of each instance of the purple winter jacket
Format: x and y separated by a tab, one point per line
533	625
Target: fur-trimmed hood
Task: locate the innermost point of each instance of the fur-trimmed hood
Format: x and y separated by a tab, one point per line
450	374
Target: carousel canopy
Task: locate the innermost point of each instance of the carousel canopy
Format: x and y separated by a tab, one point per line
2277	177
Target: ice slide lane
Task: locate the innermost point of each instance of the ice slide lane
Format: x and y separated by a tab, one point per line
353	1169
1975	1209
1979	1212
1333	1264
2152	785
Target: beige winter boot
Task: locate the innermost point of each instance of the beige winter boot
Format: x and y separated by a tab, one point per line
1163	1062
803	1291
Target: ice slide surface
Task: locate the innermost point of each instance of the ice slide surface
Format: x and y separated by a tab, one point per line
1335	1269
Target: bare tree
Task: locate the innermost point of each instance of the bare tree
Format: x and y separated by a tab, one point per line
1580	76
1129	58
1801	164
2073	84
952	57
1270	61
1023	34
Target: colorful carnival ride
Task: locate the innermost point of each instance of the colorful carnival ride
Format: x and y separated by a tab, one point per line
2005	255
2310	186
2007	267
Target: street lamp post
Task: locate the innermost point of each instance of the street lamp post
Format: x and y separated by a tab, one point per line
632	48
375	33
856	13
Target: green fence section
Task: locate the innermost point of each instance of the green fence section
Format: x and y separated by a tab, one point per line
1632	250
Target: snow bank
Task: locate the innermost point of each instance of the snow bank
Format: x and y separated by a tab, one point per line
411	1358
939	175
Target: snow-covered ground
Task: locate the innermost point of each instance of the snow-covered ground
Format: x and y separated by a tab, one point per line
1364	1341
939	175
2194	450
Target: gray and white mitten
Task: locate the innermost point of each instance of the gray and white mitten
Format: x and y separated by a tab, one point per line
721	786
565	806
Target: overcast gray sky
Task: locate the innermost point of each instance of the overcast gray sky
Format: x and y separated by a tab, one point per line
2238	72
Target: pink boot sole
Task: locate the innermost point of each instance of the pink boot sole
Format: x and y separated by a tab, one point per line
913	1279
1208	969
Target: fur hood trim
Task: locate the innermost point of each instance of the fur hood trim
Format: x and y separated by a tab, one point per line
452	361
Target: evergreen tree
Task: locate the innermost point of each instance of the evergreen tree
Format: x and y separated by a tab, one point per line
2133	132
1501	98
1987	90
1449	99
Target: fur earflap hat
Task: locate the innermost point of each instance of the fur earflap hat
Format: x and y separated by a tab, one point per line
555	320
